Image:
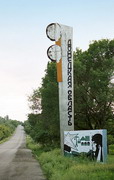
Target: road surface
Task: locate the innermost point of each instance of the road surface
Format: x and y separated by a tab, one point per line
17	162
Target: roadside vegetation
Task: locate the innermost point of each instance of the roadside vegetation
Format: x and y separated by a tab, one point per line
7	127
93	96
93	109
55	166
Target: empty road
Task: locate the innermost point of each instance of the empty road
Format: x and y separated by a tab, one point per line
17	162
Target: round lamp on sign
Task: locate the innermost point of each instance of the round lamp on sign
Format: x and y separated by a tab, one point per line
54	53
53	31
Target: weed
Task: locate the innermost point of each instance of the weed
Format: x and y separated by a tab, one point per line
58	167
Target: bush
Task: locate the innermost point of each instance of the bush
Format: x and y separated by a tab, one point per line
4	132
110	139
7	127
111	149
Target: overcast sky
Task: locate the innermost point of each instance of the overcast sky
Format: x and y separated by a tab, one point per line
23	42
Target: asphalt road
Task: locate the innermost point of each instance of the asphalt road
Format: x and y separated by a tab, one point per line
16	161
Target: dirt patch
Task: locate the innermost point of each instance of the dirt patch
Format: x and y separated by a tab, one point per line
24	167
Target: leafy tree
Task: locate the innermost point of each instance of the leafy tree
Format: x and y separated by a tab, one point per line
94	93
35	101
50	101
7	127
5	131
44	127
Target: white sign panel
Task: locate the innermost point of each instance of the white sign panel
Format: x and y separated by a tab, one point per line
91	142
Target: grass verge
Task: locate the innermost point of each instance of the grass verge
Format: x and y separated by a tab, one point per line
4	140
7	138
58	167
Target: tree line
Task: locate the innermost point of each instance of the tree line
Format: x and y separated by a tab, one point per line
7	127
93	95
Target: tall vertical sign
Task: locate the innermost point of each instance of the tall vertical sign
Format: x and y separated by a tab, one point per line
62	54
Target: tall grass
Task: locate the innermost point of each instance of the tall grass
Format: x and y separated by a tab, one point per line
111	149
58	167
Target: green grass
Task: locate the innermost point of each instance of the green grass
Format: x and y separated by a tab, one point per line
111	149
6	139
58	167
